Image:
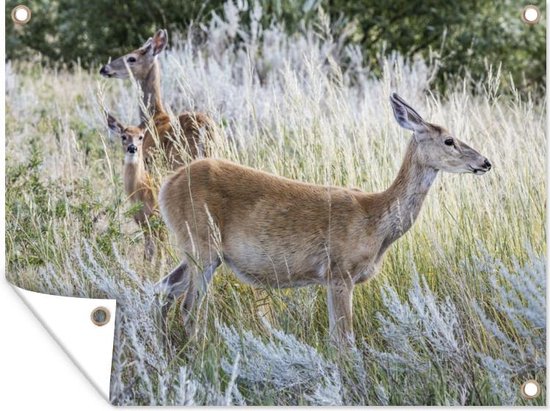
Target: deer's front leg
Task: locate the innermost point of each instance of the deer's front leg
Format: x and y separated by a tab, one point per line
340	295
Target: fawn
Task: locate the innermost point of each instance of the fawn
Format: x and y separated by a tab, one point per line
137	181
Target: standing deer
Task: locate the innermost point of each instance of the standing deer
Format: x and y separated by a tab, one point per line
137	182
197	129
277	232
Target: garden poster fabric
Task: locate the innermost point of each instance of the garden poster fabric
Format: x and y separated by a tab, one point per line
283	203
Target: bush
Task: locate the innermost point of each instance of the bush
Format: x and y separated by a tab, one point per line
464	38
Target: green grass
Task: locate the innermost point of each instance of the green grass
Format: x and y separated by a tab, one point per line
64	190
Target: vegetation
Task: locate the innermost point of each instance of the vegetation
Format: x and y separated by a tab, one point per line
457	314
471	33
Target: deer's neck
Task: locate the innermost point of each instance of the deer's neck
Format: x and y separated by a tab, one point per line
402	201
152	99
135	177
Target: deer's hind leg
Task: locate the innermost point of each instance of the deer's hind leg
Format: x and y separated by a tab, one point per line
196	292
172	286
187	280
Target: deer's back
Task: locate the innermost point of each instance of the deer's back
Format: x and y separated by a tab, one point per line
199	131
188	141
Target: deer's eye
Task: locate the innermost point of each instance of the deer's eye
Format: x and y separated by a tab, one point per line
449	142
141	137
124	138
131	60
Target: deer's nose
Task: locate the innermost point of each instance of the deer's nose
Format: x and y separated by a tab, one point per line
487	164
132	149
104	71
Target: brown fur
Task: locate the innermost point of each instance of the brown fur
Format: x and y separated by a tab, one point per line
277	232
196	130
139	187
138	184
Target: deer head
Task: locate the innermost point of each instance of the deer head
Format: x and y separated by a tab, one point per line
436	147
139	62
131	137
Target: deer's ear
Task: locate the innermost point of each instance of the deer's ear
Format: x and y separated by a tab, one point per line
146	46
159	41
114	125
405	115
142	132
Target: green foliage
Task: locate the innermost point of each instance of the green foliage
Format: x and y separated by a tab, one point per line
39	210
459	36
92	31
463	35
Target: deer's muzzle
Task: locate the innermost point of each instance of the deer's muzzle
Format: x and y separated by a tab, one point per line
486	166
105	72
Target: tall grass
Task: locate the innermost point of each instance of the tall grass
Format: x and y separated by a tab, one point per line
457	314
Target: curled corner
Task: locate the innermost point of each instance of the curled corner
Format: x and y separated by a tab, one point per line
68	320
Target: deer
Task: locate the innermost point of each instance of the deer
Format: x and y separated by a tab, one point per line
277	232
197	129
138	184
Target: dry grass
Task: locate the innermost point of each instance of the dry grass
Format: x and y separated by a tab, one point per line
287	105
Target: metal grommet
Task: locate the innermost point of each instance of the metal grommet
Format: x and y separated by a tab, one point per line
530	389
100	316
530	14
21	14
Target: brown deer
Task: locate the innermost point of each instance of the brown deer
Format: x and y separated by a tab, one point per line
197	129
137	182
277	232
